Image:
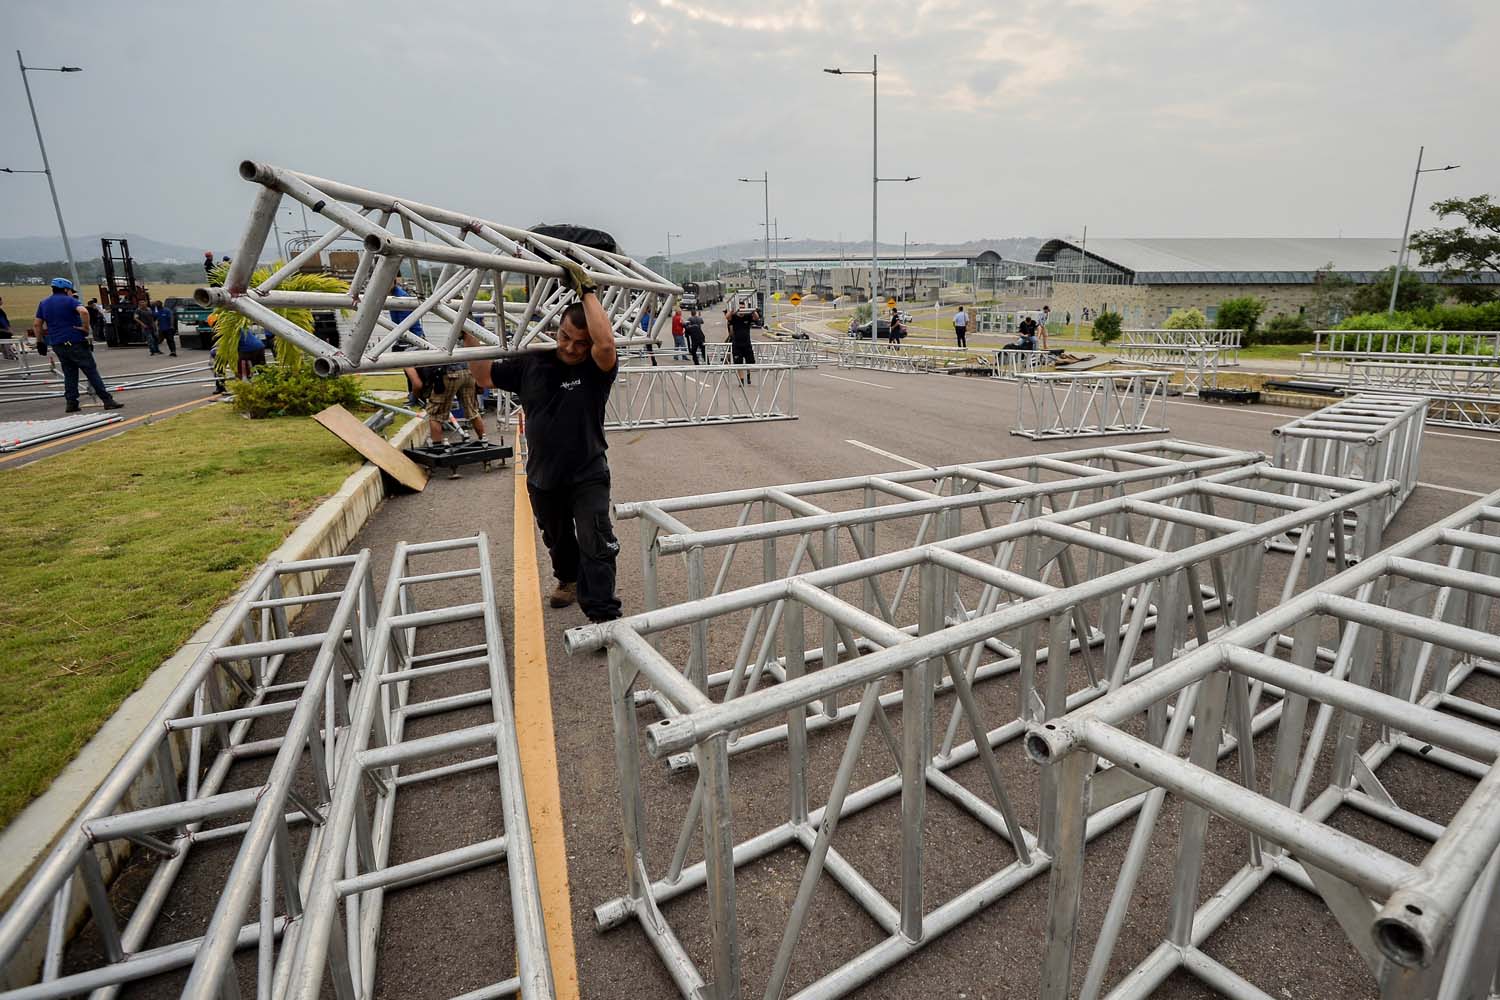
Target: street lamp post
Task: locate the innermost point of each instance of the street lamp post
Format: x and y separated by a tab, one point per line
669	253
875	179
46	165
765	179
1406	228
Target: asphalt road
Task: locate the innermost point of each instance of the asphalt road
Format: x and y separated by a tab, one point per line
449	936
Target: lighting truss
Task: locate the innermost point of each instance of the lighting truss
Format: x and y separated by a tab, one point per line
1411	625
1167	347
1333	350
386	225
1015	608
698	395
1091	404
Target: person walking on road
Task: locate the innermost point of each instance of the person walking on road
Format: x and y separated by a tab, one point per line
62	324
166	325
741	347
563	396
679	335
961	327
697	343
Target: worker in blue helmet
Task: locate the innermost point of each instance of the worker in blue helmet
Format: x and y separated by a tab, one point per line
62	325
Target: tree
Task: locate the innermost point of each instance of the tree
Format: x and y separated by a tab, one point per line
1107	327
1376	297
1468	249
228	324
1331	296
1186	319
1241	313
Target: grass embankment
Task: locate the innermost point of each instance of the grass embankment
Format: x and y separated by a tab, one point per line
117	551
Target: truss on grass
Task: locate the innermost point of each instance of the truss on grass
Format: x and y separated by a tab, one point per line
1334	350
1033	622
1412	624
386	225
1091	404
353	872
196	735
1167	347
699	395
1370	438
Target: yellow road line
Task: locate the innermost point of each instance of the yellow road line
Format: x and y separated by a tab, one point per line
100	430
538	743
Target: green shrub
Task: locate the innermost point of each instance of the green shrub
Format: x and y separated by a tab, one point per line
1186	319
1241	313
862	313
1107	327
1485	316
515	293
277	391
1282	329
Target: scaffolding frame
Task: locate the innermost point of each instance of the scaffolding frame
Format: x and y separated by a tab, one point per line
1413	622
352	870
700	395
1091	404
386	226
198	735
1040	616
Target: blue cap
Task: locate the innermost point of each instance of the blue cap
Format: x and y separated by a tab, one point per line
62	283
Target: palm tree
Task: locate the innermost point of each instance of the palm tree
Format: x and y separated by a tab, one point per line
228	324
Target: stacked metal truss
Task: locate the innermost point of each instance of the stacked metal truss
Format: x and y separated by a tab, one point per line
1460	395
1091	404
1168	347
17	434
1368	437
1412	624
386	225
1120	581
698	395
337	757
1334	350
28	390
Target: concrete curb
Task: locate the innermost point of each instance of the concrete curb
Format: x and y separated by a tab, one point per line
24	843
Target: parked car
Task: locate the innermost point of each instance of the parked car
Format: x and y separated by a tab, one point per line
862	331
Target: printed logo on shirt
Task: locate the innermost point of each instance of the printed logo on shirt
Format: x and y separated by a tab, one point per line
576	383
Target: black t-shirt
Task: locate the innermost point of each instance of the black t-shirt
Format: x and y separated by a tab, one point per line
739	327
564	407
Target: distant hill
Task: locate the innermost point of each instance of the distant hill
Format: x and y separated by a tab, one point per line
1013	247
37	249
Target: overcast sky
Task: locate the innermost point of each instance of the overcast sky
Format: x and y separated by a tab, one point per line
1025	117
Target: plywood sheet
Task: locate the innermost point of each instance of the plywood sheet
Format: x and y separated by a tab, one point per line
349	429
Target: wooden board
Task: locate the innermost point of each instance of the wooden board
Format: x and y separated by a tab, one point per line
348	428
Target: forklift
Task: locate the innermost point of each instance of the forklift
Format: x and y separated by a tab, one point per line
121	294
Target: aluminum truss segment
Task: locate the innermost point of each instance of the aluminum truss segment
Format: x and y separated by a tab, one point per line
467	251
1334	350
1170	347
1084	570
699	395
1412	624
199	734
877	357
1091	404
353	870
798	353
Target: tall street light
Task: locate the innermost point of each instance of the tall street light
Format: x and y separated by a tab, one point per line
1405	229
875	179
47	166
670	237
765	179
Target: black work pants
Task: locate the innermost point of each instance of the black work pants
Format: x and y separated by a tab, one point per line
962	333
75	358
581	541
699	350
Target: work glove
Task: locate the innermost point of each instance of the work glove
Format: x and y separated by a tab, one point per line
41	348
575	277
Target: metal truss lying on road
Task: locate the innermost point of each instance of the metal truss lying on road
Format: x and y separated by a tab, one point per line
877	357
1109	581
18	434
1334	350
386	225
1411	625
1371	438
290	722
1166	347
353	870
1011	364
699	395
1091	404
798	353
1458	395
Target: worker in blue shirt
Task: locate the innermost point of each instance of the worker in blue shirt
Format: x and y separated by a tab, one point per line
62	324
399	315
166	326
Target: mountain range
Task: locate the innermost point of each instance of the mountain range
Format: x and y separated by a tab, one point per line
39	249
1012	247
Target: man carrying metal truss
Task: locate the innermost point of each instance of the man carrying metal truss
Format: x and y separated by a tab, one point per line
563	394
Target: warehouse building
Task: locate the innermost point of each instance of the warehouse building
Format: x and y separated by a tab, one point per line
1146	280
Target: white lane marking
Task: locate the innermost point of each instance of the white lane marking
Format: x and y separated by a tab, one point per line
885	454
1463	437
1282	416
861	382
1452	489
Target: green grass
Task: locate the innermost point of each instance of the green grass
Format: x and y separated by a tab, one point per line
117	551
